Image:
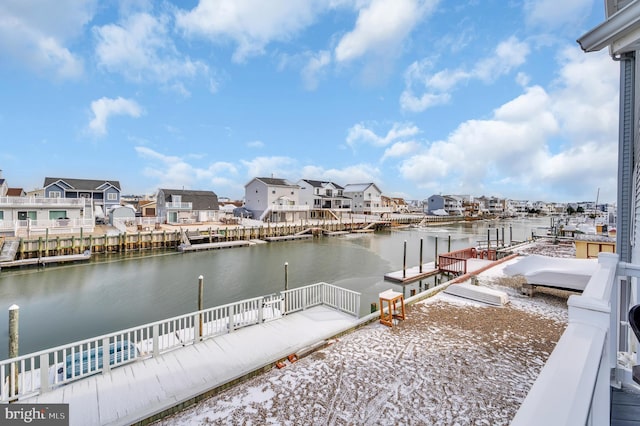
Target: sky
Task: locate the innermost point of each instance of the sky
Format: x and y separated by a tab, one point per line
421	97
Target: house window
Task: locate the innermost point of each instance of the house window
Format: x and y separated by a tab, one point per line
176	198
1	215
24	215
55	194
112	196
57	214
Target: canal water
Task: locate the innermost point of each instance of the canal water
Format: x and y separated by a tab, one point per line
62	304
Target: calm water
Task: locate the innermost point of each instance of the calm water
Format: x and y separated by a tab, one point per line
62	304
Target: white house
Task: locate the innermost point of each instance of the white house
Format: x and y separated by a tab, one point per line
325	199
274	200
366	198
177	206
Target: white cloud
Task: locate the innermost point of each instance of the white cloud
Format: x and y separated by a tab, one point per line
351	174
169	171
556	14
401	149
141	49
359	133
314	69
546	141
255	144
34	34
104	108
280	167
250	25
381	27
436	87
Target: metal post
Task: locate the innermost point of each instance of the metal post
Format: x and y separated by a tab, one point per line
420	255
200	302
286	276
404	261
436	256
488	240
14	311
449	245
510	234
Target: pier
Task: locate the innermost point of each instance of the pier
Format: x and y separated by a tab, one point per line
159	368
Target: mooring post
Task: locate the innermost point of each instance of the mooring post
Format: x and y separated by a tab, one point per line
14	311
436	255
488	241
497	238
449	245
510	234
420	255
200	302
404	261
286	276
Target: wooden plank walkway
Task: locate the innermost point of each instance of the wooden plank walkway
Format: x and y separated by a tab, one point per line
412	274
145	388
625	408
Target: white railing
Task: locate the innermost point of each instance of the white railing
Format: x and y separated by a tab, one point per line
53	225
288	208
339	298
178	206
35	373
573	387
41	202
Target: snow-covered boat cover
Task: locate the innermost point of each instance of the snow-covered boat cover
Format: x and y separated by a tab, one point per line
567	273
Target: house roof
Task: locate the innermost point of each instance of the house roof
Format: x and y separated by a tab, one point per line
321	183
82	184
15	192
359	187
200	200
276	182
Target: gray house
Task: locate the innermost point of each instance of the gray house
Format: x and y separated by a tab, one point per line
102	194
186	206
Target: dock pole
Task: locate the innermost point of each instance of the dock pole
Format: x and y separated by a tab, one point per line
286	276
449	245
420	255
404	261
14	311
200	302
436	256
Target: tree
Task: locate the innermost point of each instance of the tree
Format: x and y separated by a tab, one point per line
580	209
570	210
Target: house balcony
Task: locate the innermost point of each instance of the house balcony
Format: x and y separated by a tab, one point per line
41	202
594	355
288	208
179	206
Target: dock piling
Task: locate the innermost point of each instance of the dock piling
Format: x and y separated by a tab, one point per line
200	303
420	255
404	261
14	311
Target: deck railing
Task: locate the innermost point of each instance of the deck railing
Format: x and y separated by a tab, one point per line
573	387
42	202
321	294
35	373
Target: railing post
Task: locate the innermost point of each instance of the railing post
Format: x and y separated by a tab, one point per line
156	339
304	298
261	306
106	356
44	373
231	310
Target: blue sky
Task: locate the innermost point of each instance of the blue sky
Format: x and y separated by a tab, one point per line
490	97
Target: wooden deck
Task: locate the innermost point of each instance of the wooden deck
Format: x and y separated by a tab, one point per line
142	389
412	274
213	246
625	408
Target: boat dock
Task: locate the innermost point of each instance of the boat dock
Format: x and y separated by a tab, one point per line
213	246
46	260
150	388
412	274
288	237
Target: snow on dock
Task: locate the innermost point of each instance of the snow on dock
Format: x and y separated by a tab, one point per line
412	274
211	246
478	293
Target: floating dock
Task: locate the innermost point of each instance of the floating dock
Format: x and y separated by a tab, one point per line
46	259
213	246
412	274
288	237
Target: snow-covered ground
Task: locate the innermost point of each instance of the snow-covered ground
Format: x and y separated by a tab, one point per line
451	362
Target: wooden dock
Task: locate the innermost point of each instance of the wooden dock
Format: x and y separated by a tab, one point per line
412	274
289	237
46	260
213	246
144	389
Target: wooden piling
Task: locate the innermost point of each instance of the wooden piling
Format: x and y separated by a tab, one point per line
201	302
14	311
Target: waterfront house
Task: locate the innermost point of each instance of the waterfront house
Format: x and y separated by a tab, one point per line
3	185
274	200
366	198
325	199
181	206
101	195
453	205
